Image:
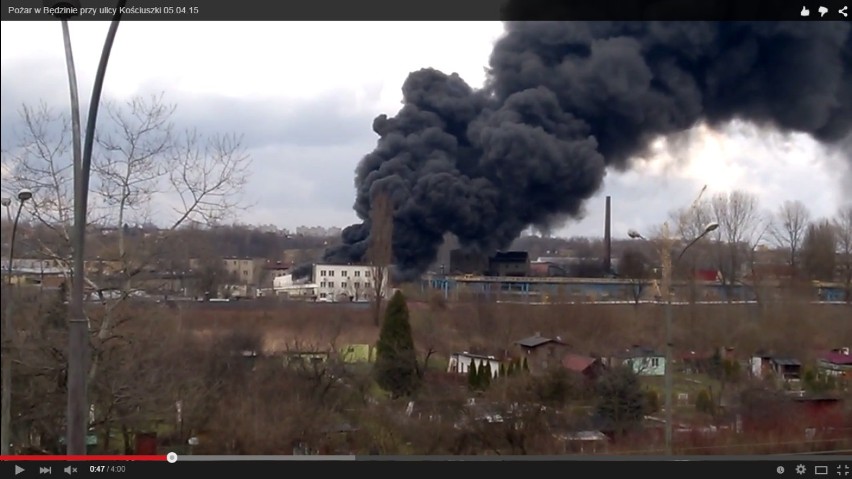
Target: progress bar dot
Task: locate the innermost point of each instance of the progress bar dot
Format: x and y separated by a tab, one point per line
171	457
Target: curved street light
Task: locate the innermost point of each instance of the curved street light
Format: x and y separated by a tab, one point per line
24	195
665	252
78	323
9	327
712	226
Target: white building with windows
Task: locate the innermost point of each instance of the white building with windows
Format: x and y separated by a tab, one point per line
346	282
285	286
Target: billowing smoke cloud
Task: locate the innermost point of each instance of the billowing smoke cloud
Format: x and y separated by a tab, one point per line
565	102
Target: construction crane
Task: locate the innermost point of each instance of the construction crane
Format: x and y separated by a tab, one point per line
698	198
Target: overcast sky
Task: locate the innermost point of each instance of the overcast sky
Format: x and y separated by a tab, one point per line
305	94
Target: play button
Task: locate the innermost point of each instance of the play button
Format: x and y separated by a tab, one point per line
18	469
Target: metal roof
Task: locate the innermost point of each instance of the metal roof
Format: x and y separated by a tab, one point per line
535	341
786	362
475	356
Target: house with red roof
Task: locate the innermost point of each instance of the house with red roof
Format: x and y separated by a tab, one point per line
587	366
708	275
837	362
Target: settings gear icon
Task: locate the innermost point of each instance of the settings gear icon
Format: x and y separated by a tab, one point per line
801	469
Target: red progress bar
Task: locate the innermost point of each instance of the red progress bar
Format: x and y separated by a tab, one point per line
84	458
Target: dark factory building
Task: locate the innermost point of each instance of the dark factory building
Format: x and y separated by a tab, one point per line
507	263
467	262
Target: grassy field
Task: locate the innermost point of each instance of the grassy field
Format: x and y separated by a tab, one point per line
795	328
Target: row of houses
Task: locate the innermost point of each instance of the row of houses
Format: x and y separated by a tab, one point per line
543	353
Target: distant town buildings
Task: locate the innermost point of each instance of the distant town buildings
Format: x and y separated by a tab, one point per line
318	231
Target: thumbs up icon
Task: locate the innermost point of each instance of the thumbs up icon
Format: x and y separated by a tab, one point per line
805	11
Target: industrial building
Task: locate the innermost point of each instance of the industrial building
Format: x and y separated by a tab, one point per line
285	286
348	282
509	263
505	263
513	264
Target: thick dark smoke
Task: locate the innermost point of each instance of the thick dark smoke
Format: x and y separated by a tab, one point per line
565	102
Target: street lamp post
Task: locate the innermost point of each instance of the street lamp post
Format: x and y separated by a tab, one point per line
666	260
78	323
7	340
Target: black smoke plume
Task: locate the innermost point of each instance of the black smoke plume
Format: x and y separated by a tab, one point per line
566	101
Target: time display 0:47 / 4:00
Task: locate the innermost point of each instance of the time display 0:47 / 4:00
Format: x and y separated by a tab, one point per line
107	468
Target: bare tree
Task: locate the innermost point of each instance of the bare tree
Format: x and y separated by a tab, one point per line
138	156
789	227
133	158
691	222
634	267
843	234
40	162
380	251
819	251
741	227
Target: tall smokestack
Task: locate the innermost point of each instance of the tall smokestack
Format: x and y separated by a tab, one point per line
608	237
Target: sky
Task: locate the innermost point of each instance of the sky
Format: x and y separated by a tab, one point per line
304	96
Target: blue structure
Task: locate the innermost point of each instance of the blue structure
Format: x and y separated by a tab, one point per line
554	289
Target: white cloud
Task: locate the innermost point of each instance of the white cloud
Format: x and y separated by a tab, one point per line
262	59
363	66
772	166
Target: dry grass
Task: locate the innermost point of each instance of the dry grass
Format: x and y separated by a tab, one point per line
799	329
153	361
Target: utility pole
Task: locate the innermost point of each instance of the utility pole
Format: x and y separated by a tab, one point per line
666	259
9	338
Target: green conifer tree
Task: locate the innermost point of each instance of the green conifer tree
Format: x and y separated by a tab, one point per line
395	369
472	376
482	379
487	374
